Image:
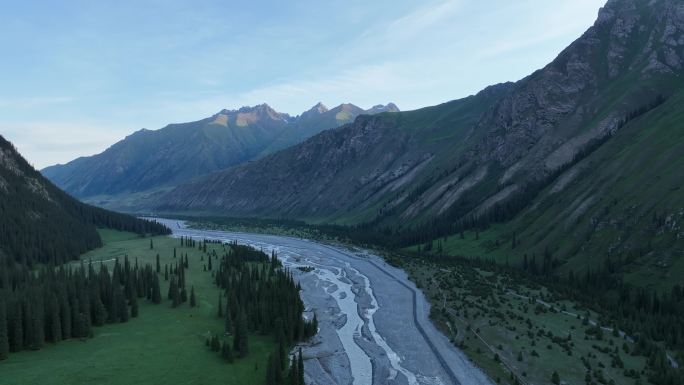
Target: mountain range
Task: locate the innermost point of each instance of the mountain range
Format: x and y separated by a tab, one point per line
149	161
581	158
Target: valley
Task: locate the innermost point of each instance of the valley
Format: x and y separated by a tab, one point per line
368	312
520	223
517	327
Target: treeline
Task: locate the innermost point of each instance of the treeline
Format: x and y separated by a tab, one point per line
52	304
258	296
41	223
655	320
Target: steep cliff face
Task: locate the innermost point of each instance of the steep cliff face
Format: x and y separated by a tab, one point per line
467	157
623	60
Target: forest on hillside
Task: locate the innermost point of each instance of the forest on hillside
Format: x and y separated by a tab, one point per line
40	223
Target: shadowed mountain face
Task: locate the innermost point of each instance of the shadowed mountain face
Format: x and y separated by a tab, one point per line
149	160
40	223
510	149
318	118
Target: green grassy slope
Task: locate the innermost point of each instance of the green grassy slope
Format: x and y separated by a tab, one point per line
162	345
624	201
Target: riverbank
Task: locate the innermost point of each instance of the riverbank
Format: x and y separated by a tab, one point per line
374	323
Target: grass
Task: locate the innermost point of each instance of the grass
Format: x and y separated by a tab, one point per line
473	244
162	345
487	315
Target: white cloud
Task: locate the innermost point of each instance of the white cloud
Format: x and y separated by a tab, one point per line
561	20
412	24
33	102
47	143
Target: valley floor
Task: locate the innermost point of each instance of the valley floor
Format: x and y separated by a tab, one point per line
162	345
371	327
374	325
515	332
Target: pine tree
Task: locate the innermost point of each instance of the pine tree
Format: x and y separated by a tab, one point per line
193	301
156	291
16	333
215	344
122	306
4	339
227	352
134	306
300	368
65	313
282	357
151	244
555	378
76	325
166	272
35	333
220	307
209	264
174	294
158	265
228	327
272	371
240	338
293	373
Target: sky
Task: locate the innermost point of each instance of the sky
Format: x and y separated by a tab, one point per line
77	76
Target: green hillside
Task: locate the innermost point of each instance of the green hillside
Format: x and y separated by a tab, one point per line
41	223
622	203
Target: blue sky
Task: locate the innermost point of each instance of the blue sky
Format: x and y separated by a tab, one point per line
76	76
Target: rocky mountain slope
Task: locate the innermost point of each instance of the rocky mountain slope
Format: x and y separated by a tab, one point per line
149	160
40	223
496	156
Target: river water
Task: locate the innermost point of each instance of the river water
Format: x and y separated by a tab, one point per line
373	322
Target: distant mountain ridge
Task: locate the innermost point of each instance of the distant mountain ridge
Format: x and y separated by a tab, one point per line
155	159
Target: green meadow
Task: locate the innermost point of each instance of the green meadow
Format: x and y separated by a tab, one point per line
163	345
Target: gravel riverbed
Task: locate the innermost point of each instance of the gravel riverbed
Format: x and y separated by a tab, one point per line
373	321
